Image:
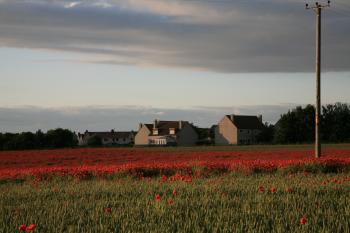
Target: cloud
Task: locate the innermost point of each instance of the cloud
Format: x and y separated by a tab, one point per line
72	4
216	35
99	118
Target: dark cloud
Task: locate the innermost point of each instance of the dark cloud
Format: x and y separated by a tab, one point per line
222	36
121	118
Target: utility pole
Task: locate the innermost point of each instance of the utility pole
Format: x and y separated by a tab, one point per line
318	9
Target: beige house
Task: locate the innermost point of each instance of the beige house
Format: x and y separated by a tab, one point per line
238	129
107	138
163	133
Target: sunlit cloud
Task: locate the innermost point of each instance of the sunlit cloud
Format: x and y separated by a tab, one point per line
233	37
72	4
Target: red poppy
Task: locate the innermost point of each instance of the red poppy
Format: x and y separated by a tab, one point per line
273	189
303	221
164	178
31	227
157	197
170	201
22	227
261	189
107	210
289	190
174	192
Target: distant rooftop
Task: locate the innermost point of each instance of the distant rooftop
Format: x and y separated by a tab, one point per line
246	122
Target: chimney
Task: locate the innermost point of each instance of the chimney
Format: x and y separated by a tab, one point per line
180	124
155	124
140	126
260	118
232	116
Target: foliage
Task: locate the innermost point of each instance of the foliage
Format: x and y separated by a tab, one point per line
336	123
266	135
95	140
205	135
296	126
58	138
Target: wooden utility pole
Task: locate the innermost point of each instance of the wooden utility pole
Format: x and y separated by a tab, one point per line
318	9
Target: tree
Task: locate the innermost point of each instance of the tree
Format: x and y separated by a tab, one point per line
60	138
296	126
1	141
95	140
335	124
24	141
40	139
266	135
8	141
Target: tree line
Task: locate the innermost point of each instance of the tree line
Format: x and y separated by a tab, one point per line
298	126
57	138
295	126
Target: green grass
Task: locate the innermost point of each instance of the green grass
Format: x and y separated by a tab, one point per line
229	203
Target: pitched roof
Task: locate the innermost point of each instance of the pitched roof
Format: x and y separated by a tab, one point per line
245	122
110	134
165	126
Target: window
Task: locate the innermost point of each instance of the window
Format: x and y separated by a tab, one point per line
155	131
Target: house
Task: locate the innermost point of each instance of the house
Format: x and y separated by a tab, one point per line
238	129
108	138
166	133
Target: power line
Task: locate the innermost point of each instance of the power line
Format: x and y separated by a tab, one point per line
342	13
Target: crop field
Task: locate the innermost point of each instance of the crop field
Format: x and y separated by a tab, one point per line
208	189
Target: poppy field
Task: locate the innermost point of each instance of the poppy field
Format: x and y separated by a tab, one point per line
175	190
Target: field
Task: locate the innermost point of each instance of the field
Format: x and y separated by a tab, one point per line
204	189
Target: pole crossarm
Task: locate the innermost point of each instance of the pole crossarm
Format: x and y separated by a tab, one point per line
317	6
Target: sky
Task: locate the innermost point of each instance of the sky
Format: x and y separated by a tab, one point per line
110	64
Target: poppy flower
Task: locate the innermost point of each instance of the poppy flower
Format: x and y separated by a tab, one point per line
158	197
289	190
30	228
107	210
174	192
164	178
261	189
303	221
22	227
273	189
170	201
